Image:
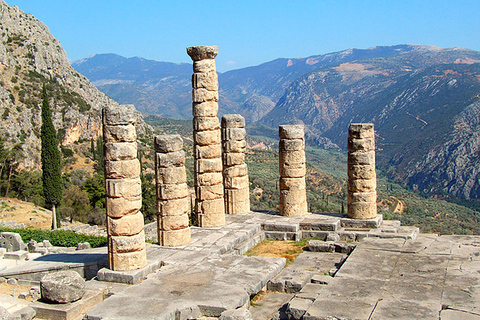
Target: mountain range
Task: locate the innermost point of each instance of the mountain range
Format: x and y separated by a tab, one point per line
423	100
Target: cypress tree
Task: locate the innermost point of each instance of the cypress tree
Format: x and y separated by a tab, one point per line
51	161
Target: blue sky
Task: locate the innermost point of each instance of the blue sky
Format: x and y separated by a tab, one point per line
250	32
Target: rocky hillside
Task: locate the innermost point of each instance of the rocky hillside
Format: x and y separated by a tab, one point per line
29	58
424	105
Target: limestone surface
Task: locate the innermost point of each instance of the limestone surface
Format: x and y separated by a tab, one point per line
62	287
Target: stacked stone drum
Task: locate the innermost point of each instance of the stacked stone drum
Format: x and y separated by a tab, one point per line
292	165
362	181
126	238
207	149
235	172
173	201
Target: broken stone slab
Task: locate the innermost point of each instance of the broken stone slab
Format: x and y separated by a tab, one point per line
129	276
62	287
11	241
236	314
359	223
321	279
284	227
290	281
297	307
310	291
321	246
16	255
282	236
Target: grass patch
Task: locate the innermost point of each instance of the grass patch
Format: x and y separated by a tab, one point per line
289	250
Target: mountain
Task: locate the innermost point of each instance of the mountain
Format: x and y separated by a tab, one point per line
31	57
149	85
424	105
165	88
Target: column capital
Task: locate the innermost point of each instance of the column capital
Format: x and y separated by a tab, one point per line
202	52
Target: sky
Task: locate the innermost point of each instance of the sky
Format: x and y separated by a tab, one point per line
251	32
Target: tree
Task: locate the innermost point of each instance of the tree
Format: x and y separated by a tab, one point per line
51	160
75	204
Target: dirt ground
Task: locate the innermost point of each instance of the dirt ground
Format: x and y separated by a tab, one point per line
14	290
28	213
277	249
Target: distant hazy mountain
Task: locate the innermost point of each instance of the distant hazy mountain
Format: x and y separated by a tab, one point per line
165	88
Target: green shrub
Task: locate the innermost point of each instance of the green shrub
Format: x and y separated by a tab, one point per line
61	238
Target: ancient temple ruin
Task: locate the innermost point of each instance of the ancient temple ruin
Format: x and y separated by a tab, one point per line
235	171
292	167
173	201
207	149
362	179
126	237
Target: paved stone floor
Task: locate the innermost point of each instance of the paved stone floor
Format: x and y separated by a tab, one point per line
393	273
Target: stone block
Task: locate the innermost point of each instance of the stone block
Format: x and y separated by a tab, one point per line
292	183
236	182
234	133
207	65
292	157
361	171
11	241
205	109
362	185
119	133
370	197
203	95
171	175
233	121
208	165
291	144
208	152
232	159
173	207
170	159
321	246
204	138
62	287
209	178
361	130
237	195
169	223
364	145
297	307
291	131
367	157
237	207
234	146
374	222
120	114
214	207
362	210
115	151
209	192
168	143
16	255
122	169
126	226
175	238
206	123
236	171
284	227
207	80
123	188
172	191
132	243
202	52
119	207
128	260
211	220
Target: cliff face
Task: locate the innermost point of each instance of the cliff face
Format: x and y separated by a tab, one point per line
29	58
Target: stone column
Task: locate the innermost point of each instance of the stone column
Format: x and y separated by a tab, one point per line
292	165
173	202
362	180
235	171
207	149
126	238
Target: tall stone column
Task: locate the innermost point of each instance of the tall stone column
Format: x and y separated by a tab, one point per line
207	149
292	165
362	179
173	202
126	238
235	171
